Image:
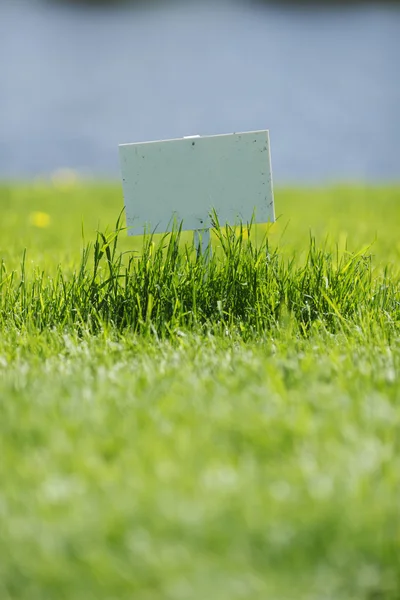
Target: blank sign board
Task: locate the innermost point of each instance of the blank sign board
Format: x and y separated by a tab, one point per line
185	180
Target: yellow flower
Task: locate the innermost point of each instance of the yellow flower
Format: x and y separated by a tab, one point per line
40	219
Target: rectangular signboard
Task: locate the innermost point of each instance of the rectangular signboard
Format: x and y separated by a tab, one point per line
185	179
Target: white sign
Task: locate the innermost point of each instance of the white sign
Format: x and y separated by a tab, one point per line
186	179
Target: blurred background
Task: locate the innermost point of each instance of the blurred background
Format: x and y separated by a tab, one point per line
78	78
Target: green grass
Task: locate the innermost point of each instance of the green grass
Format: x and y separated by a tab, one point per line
172	429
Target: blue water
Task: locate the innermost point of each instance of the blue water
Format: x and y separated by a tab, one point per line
74	83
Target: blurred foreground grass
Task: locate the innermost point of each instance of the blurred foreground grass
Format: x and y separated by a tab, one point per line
201	466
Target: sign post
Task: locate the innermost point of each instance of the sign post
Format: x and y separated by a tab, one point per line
185	180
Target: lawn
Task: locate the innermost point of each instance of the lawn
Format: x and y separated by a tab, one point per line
172	429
